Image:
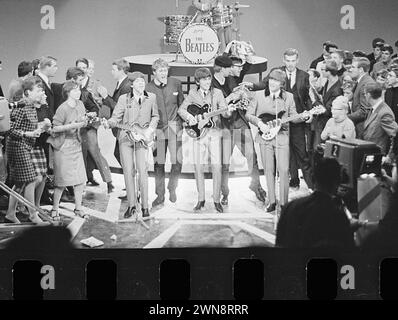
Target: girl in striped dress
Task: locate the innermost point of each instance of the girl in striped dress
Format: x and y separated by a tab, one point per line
27	164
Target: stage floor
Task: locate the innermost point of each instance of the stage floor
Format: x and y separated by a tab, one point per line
244	222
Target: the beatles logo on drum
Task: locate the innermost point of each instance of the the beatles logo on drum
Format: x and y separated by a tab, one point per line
199	43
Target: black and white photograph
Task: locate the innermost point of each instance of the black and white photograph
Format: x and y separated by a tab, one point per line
133	124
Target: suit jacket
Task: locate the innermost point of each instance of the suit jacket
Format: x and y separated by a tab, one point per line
314	221
110	102
388	98
124	88
129	111
46	111
302	100
380	126
360	107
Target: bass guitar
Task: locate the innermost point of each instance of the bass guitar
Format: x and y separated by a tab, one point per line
274	122
137	133
205	117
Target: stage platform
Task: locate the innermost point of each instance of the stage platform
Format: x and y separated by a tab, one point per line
183	68
244	222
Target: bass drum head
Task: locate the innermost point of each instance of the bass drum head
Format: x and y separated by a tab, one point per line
199	43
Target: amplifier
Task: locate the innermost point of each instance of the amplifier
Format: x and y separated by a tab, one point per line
356	157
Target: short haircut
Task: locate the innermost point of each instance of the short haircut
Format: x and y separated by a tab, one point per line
314	72
341	101
363	63
326	43
340	53
331	66
202	73
236	60
291	52
330	45
122	64
67	87
359	53
46	61
73	73
376	40
378	45
82	60
374	89
24	68
387	47
30	82
382	73
159	63
327	172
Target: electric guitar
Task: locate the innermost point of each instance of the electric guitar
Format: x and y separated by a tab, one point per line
205	117
137	133
274	122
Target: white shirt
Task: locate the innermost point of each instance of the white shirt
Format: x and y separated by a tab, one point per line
204	93
275	95
44	77
292	76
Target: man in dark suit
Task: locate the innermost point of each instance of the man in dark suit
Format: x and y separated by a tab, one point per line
360	106
330	91
298	84
375	55
47	70
380	126
317	221
391	95
120	69
328	48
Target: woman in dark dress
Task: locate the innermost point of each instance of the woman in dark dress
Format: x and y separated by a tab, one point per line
27	164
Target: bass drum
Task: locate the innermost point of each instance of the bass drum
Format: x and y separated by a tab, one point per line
199	43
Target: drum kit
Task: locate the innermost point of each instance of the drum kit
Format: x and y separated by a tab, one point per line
198	42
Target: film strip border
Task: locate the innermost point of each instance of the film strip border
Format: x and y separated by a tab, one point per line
197	274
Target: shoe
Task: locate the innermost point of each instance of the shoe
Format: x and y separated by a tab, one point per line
260	193
224	200
92	182
54	214
11	219
129	212
123	197
35	218
145	213
110	187
218	207
172	196
81	214
271	207
199	205
158	201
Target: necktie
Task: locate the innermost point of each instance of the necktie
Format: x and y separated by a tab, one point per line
139	101
289	83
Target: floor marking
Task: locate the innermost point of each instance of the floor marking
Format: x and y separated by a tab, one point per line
165	236
75	225
269	237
